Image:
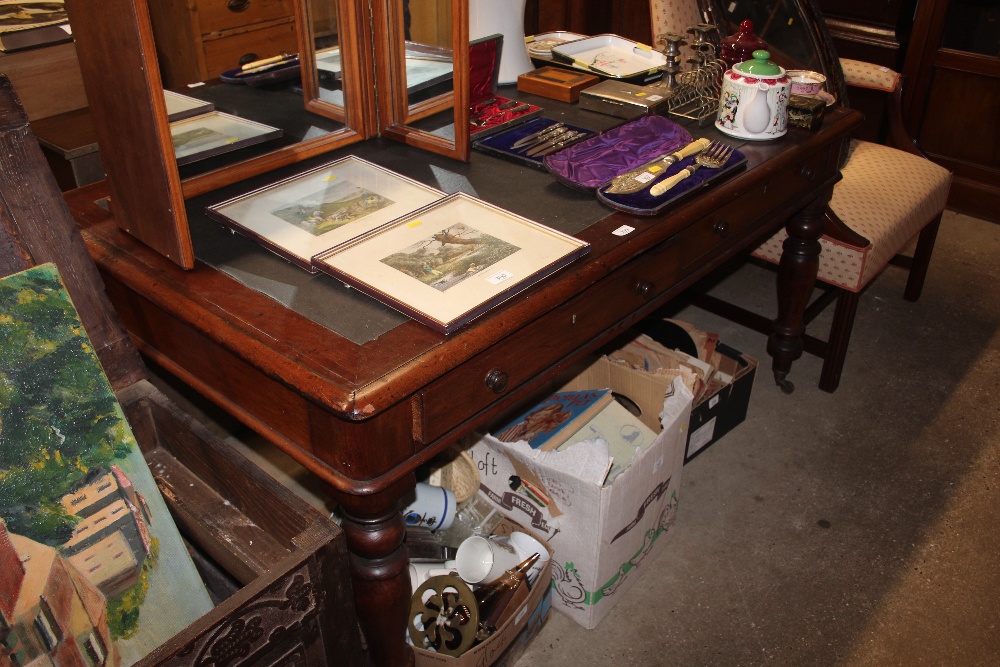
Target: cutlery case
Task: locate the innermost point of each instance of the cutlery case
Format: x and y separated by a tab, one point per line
498	112
501	144
592	164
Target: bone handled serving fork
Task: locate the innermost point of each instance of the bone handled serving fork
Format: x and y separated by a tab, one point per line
640	177
713	157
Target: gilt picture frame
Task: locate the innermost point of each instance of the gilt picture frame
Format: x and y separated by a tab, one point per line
312	212
450	262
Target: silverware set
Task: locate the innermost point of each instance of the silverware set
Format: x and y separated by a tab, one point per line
551	139
714	157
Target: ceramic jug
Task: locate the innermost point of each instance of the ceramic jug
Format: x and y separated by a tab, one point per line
754	102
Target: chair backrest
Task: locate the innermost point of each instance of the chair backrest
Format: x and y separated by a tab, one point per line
674	16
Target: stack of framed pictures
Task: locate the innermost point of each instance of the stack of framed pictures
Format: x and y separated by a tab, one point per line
441	259
199	131
26	24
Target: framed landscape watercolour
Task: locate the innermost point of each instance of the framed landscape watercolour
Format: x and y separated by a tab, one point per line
92	568
213	133
313	212
180	106
451	261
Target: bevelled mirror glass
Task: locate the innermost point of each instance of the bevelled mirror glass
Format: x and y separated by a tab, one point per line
270	73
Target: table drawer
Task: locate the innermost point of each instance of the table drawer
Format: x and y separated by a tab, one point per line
529	351
523	355
732	219
221	15
229	52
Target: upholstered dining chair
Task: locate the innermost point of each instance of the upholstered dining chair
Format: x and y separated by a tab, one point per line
889	195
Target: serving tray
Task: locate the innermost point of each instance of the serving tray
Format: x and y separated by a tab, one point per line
612	57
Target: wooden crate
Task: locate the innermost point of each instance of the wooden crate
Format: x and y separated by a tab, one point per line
280	565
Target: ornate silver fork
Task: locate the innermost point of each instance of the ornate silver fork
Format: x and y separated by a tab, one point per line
713	157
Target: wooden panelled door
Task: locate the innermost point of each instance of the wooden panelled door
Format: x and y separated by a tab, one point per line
953	97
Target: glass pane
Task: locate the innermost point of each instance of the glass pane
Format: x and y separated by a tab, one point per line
328	55
973	26
779	23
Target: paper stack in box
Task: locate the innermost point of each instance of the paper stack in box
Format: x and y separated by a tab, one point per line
606	498
720	377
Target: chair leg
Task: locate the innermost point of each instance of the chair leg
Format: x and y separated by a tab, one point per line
840	336
921	259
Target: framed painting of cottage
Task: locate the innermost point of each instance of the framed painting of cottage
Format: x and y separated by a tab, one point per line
92	568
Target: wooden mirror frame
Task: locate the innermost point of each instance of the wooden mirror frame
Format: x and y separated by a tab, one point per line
119	66
395	115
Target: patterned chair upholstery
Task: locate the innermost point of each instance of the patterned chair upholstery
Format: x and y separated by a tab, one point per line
674	16
887	197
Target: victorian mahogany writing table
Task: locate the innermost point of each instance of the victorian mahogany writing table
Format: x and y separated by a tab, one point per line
362	396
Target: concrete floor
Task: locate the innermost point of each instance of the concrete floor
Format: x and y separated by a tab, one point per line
857	528
854	528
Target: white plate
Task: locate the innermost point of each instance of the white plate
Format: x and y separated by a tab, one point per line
542	44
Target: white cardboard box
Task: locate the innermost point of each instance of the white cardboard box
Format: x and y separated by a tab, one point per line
600	535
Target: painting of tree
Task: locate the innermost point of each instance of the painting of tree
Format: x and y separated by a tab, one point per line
73	481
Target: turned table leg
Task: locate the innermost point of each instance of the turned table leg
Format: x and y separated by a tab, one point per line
380	575
796	278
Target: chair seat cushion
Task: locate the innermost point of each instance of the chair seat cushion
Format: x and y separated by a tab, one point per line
887	196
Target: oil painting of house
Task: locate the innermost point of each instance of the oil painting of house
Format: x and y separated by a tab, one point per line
92	568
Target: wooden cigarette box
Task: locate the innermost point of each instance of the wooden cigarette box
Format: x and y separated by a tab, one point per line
557	83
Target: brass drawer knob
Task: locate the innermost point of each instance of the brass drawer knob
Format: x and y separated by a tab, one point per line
807	171
645	289
248	58
238	6
721	227
497	380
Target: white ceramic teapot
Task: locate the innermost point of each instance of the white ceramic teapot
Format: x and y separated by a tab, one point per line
754	102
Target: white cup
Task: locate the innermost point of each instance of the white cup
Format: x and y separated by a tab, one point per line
432	506
483	561
421	572
526	546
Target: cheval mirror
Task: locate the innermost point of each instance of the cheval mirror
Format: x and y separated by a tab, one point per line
304	76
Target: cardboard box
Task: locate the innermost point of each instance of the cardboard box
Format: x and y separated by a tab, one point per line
557	83
506	645
600	535
724	408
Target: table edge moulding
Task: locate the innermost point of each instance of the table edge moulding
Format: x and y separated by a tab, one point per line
364	416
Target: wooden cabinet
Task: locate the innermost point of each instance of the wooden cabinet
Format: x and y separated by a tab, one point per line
199	39
628	18
953	97
47	79
876	32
